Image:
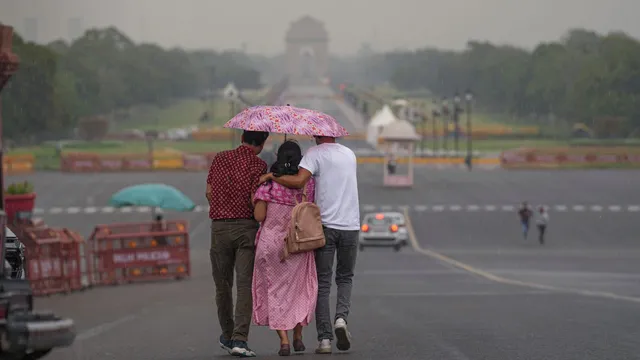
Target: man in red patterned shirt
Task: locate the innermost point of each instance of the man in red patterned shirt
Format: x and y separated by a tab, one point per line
233	179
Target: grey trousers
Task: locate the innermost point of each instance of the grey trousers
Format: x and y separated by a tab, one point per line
233	248
342	244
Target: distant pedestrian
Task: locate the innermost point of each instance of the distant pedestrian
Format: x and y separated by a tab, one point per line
392	165
542	221
233	179
525	214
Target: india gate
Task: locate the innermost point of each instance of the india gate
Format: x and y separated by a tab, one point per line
307	51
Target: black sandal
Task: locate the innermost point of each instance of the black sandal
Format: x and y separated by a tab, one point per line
298	345
285	350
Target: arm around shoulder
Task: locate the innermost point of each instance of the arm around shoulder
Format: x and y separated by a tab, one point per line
297	181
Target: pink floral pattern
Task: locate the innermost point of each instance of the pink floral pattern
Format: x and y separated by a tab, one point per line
287	120
284	293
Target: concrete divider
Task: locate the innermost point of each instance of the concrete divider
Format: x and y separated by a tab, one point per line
429	160
568	158
18	164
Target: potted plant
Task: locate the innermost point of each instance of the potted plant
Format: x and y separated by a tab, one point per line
19	198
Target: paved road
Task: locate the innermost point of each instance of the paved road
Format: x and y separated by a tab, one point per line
407	304
321	98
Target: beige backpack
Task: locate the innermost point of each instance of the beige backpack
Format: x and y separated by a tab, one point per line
305	228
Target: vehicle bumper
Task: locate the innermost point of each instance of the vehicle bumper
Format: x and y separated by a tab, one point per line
30	332
383	241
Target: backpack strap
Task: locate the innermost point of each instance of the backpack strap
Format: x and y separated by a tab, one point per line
305	197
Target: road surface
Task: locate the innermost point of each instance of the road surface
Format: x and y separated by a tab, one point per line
575	298
469	287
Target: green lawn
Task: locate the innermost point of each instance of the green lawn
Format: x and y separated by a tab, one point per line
497	145
180	114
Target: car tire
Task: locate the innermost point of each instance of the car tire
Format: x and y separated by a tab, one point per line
397	248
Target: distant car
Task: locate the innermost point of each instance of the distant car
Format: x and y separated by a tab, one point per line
384	229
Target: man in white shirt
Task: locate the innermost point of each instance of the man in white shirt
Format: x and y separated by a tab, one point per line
334	168
543	221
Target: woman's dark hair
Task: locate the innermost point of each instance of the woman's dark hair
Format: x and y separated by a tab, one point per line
288	159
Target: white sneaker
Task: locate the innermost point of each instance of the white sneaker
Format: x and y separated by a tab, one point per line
343	335
324	347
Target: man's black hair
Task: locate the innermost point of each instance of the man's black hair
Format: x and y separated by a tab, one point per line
255	138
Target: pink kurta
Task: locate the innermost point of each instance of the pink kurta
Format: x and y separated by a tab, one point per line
284	293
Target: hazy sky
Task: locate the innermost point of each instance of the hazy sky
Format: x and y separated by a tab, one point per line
261	24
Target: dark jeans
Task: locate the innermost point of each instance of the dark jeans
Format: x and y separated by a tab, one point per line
233	247
541	230
344	244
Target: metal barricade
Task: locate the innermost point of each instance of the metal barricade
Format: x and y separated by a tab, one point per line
75	256
125	253
44	260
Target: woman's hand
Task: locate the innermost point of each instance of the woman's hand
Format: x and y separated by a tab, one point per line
264	178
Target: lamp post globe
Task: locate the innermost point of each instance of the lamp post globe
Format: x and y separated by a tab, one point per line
468	95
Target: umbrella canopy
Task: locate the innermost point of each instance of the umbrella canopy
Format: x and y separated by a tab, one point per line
152	195
287	120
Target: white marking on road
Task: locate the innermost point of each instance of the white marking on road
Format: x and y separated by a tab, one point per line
615	208
198	208
508	208
126	209
38	211
473	208
455	207
102	328
90	210
108	209
490	208
421	208
73	210
460	293
438	208
452	271
596	208
368	207
561	208
144	209
502	280
633	208
578	208
386	207
403	207
56	210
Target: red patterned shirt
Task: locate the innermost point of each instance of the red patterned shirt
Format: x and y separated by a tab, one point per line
233	177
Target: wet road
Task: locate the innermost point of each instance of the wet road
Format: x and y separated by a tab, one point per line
469	287
575	299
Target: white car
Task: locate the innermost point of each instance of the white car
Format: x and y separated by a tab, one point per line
384	229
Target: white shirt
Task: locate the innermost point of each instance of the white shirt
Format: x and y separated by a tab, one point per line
334	168
543	219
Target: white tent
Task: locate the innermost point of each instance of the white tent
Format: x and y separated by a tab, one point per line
379	120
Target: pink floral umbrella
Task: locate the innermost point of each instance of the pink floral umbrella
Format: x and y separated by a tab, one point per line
287	120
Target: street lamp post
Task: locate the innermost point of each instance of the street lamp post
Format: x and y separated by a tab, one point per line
456	121
434	118
8	66
468	99
445	123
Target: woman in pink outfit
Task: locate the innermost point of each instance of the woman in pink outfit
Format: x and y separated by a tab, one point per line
284	292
